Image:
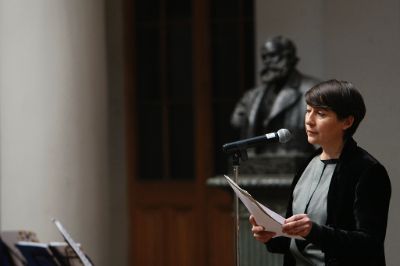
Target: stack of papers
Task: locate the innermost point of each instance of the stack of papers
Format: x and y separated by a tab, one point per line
270	220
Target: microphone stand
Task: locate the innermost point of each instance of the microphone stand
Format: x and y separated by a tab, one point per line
238	151
236	156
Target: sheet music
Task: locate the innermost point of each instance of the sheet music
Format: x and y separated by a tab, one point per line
264	216
72	243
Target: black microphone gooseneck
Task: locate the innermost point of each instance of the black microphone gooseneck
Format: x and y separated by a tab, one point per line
282	135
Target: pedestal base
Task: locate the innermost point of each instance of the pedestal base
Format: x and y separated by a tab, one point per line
271	190
272	164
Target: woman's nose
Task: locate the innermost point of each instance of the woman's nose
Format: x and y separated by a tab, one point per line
309	119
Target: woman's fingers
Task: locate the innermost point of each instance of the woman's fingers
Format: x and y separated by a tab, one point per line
299	224
252	220
259	232
302	230
304	233
263	236
256	228
296	217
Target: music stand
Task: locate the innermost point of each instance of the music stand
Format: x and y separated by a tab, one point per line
72	243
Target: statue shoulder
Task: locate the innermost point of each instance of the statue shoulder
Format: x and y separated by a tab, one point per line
307	82
254	92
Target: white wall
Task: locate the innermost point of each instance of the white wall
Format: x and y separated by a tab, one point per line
357	41
301	23
53	120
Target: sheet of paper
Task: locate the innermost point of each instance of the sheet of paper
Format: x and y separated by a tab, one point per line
264	216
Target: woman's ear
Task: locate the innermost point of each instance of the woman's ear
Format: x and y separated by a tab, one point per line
348	122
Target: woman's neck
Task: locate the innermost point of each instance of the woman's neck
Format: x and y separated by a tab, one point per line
332	151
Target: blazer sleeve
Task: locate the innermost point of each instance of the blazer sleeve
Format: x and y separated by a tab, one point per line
278	245
370	213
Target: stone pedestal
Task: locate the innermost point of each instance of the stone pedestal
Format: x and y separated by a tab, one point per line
277	163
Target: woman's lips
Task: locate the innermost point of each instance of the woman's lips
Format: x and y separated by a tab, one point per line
309	132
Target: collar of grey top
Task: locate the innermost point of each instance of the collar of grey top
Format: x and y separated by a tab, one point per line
330	161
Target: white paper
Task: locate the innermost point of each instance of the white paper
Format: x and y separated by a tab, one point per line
270	220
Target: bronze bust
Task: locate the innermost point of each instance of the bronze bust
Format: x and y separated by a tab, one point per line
277	103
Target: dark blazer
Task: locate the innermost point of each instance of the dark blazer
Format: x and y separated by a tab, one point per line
357	212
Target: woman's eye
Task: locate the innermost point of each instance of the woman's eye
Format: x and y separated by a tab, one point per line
322	114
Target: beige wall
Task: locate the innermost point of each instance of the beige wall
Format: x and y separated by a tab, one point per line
357	41
54	120
119	214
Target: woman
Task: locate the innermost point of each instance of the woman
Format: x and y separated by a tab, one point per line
339	201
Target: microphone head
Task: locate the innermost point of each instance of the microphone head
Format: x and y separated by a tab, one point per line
284	135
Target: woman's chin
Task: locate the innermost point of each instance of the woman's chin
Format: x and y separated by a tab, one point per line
312	140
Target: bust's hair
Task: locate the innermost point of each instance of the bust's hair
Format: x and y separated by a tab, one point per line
341	97
283	46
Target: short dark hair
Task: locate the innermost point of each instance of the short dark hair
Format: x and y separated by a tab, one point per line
341	97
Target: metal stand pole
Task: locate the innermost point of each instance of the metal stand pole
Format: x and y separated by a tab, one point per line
236	223
236	162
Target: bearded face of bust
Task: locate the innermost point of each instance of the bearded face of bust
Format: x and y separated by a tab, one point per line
279	59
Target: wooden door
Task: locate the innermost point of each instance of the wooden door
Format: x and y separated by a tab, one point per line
177	114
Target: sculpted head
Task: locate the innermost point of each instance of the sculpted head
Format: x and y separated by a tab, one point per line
279	59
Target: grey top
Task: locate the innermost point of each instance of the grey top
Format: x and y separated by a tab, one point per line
310	196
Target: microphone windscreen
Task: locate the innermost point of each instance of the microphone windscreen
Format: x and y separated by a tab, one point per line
284	135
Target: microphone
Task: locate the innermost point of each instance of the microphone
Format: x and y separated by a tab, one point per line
282	135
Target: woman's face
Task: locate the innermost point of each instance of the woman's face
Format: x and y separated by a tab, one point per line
323	126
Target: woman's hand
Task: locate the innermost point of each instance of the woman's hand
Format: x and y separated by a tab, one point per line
259	232
297	225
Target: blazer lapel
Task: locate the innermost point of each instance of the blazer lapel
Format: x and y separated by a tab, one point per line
258	95
340	181
286	98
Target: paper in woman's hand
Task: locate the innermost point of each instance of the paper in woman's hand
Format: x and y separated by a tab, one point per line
270	220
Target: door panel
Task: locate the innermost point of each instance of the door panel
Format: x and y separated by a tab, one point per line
148	232
220	228
166	226
186	64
